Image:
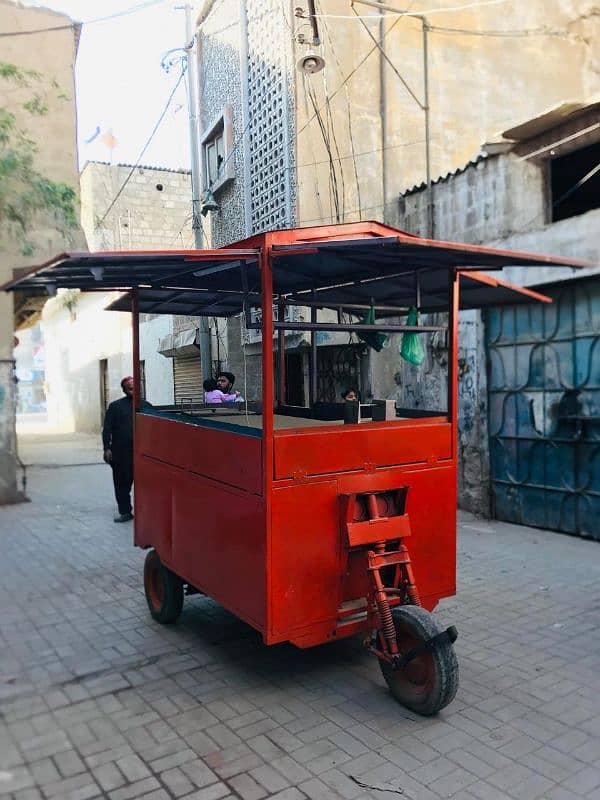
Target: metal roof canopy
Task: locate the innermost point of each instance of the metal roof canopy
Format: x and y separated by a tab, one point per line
341	272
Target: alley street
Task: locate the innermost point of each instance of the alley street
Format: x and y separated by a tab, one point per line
97	700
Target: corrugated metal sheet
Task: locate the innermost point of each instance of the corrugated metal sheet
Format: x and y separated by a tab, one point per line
187	379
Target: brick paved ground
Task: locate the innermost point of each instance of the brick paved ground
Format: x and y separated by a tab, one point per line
96	700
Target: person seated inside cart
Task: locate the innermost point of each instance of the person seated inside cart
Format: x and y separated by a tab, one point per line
214	395
225	381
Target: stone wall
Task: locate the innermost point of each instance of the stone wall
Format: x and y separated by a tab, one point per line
152	211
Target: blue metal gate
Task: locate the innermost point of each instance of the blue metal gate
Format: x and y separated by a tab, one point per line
544	410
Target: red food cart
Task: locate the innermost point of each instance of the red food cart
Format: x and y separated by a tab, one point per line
307	528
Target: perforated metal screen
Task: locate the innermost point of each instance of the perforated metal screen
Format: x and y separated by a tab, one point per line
269	99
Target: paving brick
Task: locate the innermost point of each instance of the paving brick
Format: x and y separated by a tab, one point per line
272	780
133	768
247	788
134	790
205	704
108	777
315	789
215	792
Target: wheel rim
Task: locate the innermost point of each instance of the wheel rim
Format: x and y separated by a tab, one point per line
155	589
415	680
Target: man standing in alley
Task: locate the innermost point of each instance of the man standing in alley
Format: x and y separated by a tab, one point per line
117	439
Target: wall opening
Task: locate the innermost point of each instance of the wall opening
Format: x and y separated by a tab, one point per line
575	185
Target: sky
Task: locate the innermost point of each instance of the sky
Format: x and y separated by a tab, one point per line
121	87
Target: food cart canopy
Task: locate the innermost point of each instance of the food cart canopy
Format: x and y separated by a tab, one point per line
388	270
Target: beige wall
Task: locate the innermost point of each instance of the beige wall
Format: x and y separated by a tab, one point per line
52	54
479	86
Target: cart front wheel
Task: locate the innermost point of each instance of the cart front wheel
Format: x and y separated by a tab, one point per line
429	682
164	590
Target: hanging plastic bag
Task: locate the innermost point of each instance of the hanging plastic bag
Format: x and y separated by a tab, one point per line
375	339
411	348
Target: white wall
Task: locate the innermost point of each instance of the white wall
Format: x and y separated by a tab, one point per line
159	369
75	345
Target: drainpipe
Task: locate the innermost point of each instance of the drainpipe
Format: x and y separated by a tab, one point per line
194	115
383	117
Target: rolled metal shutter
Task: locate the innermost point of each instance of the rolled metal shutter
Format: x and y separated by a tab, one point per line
187	379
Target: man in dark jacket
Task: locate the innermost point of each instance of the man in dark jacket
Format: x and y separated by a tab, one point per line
117	439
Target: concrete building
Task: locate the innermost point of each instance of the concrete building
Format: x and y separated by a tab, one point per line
88	349
51	54
536	188
283	145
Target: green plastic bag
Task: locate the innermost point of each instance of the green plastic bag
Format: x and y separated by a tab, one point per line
375	339
411	348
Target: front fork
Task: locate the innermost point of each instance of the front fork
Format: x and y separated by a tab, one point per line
381	639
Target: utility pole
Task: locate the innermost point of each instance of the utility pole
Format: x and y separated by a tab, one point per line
423	105
194	121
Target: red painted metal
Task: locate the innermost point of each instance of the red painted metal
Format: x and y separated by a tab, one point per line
309	534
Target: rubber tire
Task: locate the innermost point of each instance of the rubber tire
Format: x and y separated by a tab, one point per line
164	590
440	664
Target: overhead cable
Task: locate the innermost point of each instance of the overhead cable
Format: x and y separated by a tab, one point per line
70	26
426	13
144	148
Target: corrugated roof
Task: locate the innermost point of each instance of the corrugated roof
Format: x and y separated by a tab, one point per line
137	166
443	178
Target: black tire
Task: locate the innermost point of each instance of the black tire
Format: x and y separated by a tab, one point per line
164	590
429	682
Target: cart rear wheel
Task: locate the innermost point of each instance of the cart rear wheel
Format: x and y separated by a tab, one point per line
429	682
164	590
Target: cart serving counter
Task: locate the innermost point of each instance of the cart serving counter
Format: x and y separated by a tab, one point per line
307	528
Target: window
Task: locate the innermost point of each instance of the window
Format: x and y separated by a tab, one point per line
575	182
218	167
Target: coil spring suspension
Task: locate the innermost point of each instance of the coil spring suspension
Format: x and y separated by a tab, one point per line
386	619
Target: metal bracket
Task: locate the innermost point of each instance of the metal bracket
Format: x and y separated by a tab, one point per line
451	634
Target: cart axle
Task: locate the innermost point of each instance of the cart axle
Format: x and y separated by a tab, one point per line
450	634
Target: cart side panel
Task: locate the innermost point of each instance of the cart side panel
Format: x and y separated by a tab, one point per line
153	521
313	572
219	545
230	458
339	449
431	508
305	581
211	535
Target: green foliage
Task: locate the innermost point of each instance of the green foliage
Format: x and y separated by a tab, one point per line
25	193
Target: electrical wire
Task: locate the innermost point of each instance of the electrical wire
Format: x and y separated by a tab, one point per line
333	138
428	12
363	153
348	117
509	34
124	13
333	186
144	148
349	75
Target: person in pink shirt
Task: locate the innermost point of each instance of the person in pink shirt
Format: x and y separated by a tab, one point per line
213	394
